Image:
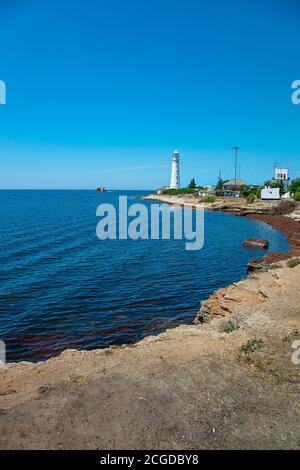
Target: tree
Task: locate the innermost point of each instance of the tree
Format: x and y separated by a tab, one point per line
297	196
245	191
192	184
295	186
220	184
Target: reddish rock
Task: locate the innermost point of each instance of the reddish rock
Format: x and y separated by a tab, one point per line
256	243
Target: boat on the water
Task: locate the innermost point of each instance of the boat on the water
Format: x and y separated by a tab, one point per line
101	189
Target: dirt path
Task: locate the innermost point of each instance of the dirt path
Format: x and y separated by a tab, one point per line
190	387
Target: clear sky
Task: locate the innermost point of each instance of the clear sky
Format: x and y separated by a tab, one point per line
100	92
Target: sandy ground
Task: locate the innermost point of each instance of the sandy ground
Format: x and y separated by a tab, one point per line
237	205
192	387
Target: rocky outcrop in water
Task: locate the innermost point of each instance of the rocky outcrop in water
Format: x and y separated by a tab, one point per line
256	243
290	227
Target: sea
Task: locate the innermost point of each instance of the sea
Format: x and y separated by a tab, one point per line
61	287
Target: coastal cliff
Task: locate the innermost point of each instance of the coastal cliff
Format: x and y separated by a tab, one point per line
227	381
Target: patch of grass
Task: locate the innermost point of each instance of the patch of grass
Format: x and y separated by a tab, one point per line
103	371
292	263
178	192
270	370
251	345
231	326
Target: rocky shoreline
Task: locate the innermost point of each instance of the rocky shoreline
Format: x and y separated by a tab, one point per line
225	301
289	227
225	382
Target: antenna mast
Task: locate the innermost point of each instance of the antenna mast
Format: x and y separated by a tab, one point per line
236	149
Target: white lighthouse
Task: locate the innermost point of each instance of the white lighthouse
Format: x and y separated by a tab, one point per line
175	175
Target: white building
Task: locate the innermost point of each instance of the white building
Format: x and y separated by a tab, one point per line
281	174
175	174
270	193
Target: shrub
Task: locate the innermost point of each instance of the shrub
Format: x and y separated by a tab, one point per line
297	196
283	207
192	184
231	326
274	266
209	199
251	198
251	345
292	263
178	192
295	186
245	191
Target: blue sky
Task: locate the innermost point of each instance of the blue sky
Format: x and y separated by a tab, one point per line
101	92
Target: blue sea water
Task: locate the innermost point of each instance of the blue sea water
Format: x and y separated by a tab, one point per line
61	287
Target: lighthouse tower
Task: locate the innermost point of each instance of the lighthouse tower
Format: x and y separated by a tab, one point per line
175	175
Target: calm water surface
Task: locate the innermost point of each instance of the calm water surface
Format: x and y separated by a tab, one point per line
60	287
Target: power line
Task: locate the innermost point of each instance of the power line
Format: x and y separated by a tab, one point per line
236	149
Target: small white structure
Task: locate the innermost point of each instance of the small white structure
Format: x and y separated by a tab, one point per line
2	92
281	174
175	174
270	193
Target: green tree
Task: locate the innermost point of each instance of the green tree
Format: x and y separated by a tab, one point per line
220	184
297	196
295	186
192	184
245	191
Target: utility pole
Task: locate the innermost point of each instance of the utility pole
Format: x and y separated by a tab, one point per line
236	149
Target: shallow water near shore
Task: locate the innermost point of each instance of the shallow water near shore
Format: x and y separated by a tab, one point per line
61	287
